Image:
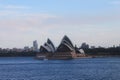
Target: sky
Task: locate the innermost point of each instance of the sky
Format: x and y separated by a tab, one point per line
96	22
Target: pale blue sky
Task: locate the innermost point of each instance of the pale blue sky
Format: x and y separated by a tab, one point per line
96	22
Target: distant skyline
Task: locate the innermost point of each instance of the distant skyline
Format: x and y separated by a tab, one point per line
96	22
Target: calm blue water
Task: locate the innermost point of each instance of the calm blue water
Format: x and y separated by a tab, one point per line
77	69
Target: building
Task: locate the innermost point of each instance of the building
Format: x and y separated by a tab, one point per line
47	50
35	46
26	49
93	47
65	45
48	47
84	46
65	50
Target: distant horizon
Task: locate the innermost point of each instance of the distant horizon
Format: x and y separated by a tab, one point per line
59	43
95	22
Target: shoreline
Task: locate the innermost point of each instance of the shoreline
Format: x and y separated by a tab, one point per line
99	56
87	56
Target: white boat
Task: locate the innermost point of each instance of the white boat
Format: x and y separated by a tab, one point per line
41	57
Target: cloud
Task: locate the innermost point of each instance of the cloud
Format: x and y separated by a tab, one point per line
18	26
73	20
32	21
15	7
115	2
15	27
24	22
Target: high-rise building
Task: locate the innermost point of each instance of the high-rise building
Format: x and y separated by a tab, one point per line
93	47
35	46
84	46
26	49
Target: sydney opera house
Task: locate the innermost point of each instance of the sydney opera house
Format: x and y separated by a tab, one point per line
66	50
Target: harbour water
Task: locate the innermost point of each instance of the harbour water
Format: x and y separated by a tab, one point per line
28	68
